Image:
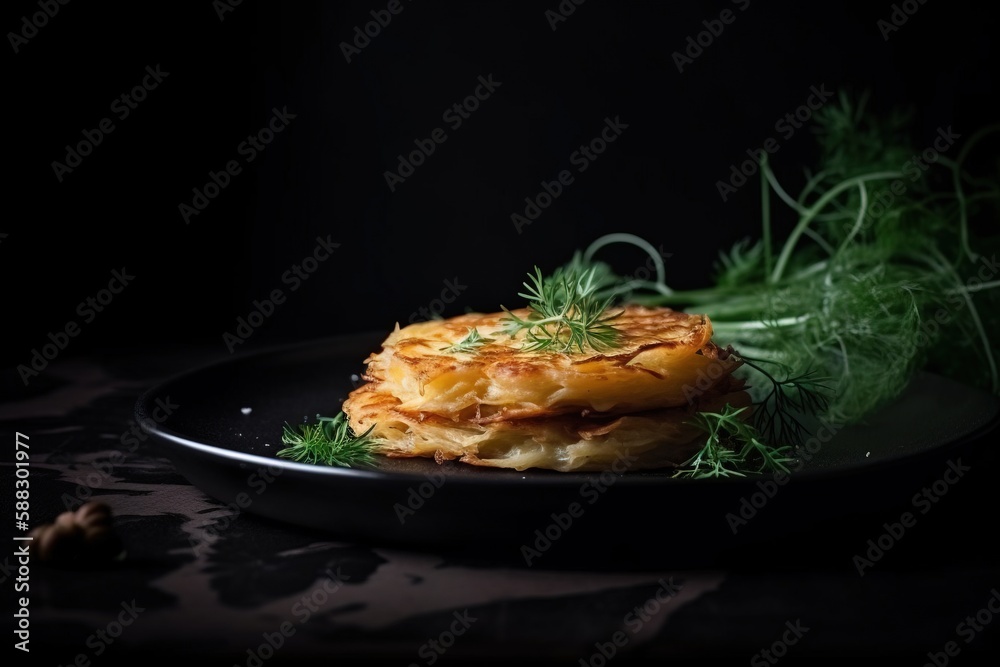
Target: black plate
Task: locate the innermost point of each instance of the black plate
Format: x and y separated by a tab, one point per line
229	453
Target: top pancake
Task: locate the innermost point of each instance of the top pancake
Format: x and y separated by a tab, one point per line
662	359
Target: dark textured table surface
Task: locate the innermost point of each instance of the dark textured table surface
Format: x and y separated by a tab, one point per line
266	592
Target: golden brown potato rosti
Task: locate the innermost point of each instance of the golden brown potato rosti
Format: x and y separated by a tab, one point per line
502	406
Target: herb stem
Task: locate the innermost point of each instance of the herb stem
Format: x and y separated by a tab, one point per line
974	288
811	185
820	241
756	325
780	191
765	203
860	220
804	222
956	172
978	323
632	239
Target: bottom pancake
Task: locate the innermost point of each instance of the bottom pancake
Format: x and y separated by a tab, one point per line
636	441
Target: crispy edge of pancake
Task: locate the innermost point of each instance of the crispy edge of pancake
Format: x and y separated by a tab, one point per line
595	442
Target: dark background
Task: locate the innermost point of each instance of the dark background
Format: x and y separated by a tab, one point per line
451	220
324	174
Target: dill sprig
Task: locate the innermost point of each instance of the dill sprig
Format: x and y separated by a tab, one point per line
732	448
778	416
329	441
470	344
566	312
